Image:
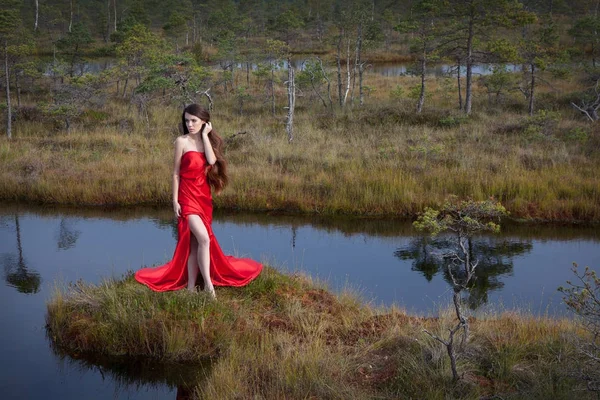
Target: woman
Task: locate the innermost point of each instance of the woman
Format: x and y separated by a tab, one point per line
199	165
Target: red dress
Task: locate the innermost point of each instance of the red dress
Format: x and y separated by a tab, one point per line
195	199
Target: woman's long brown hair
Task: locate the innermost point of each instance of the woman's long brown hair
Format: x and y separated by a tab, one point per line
217	173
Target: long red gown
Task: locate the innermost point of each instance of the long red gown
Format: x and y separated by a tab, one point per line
195	198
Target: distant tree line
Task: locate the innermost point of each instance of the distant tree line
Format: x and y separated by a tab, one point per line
161	47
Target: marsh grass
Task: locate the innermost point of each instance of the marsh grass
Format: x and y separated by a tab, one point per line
286	336
381	159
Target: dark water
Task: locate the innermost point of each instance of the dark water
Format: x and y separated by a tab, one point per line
96	66
437	70
385	261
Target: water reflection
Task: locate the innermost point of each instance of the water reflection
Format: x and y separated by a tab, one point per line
132	375
494	258
16	272
384	258
67	234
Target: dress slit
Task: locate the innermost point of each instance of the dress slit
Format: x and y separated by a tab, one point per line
195	199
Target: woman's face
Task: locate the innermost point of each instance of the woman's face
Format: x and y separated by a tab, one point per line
193	123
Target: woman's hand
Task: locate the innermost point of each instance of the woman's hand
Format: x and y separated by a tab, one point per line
177	209
207	129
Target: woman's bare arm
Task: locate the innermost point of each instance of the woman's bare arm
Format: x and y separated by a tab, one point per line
209	153
179	142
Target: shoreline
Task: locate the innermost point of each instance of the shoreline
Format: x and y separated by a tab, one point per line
377	161
285	335
277	212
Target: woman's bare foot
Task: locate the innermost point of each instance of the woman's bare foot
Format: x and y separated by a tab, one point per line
211	292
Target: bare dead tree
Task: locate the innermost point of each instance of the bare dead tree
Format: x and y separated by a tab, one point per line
347	73
338	59
37	13
357	60
460	100
291	84
209	97
71	18
423	67
582	297
590	108
8	105
115	17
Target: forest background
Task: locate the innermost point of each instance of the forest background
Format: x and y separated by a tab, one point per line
309	126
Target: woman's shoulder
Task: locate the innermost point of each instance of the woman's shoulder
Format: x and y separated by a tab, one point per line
181	141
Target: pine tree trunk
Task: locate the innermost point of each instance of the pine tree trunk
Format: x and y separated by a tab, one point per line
360	65
115	18
361	97
107	21
595	42
272	91
71	19
469	64
422	95
18	88
458	84
356	60
532	89
339	69
8	106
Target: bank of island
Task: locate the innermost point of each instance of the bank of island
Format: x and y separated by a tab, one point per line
285	336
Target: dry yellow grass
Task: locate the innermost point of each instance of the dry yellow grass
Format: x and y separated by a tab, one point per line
379	159
287	337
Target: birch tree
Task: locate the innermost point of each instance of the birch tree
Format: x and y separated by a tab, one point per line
37	13
291	90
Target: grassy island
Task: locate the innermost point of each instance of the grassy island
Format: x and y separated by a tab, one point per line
285	336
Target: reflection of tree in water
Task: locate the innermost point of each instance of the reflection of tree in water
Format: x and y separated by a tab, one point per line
167	223
494	257
130	373
15	268
67	235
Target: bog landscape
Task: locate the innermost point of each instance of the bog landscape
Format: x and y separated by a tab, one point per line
464	134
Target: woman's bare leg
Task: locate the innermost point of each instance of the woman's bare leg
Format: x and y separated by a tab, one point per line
192	264
203	252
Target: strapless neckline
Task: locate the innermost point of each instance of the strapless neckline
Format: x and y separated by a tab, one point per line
193	151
